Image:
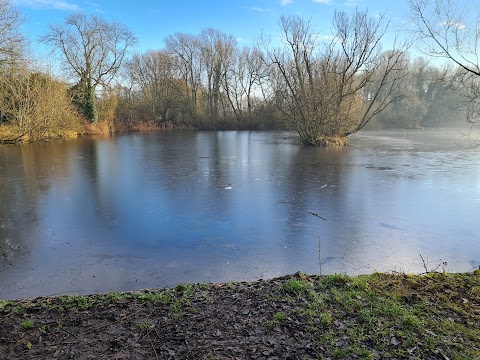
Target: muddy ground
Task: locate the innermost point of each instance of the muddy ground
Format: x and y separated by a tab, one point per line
380	316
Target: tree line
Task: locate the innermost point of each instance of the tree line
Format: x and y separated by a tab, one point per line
324	89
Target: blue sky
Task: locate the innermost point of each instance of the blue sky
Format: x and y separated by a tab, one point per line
151	21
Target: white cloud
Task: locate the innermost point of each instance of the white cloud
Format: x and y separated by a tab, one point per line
458	25
286	2
325	37
351	3
96	7
49	4
322	1
258	9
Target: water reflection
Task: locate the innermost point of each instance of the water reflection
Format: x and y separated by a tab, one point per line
152	210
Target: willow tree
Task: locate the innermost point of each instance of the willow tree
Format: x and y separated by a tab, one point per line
93	50
332	90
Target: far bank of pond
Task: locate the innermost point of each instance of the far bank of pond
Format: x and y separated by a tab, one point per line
152	210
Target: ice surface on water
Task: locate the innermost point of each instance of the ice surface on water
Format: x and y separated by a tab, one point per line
152	210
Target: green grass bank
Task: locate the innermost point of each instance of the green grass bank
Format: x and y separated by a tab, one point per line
378	316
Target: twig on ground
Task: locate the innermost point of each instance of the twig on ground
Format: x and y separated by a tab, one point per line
444	263
125	318
424	264
151	344
315	214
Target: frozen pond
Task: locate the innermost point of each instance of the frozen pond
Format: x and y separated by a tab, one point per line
152	210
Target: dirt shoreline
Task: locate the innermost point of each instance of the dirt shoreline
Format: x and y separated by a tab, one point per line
378	316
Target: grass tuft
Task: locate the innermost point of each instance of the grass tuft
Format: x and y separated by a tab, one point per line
296	287
144	325
26	324
278	318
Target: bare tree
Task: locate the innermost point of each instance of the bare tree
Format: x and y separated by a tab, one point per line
450	30
333	90
11	39
93	51
242	79
186	49
217	50
153	73
255	74
11	48
427	100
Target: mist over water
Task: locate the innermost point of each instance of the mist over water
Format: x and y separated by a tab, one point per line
152	210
